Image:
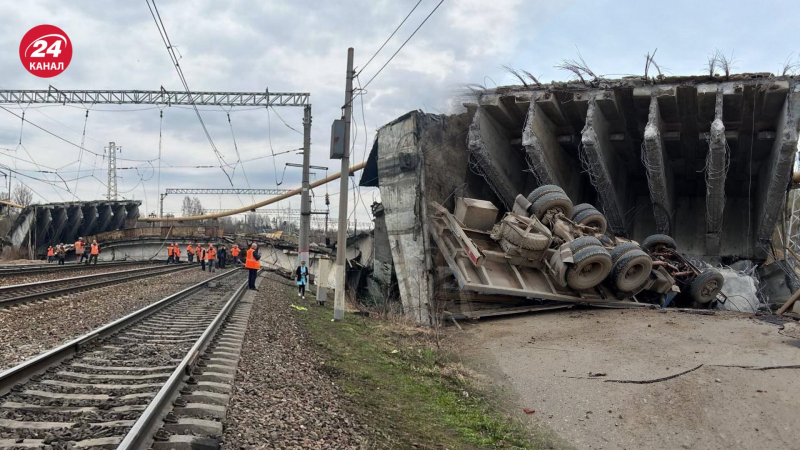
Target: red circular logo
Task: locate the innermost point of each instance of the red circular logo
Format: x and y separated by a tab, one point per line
45	51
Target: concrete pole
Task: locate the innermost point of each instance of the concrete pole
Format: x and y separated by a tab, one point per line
305	200
341	241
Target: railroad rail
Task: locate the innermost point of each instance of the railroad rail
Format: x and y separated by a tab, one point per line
25	269
38	290
170	364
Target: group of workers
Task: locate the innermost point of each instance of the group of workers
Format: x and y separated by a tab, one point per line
214	258
83	252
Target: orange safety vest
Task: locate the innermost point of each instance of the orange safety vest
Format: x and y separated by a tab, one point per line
95	249
176	251
190	249
169	250
211	254
251	262
78	247
50	251
235	251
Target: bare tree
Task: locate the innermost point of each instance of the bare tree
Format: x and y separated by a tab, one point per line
197	207
22	194
186	207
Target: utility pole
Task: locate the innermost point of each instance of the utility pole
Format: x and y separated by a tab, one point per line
341	242
112	170
161	205
305	199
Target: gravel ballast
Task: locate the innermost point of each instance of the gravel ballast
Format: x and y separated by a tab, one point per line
10	280
282	398
31	329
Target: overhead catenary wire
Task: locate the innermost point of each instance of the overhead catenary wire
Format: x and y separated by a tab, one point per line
162	31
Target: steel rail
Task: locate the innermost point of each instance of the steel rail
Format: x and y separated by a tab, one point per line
141	434
44	268
76	284
38	364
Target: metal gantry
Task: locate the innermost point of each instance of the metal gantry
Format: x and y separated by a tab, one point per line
160	97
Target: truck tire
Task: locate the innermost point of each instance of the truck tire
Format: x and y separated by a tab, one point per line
621	249
631	270
652	243
591	217
581	207
552	201
706	286
590	267
544	190
583	242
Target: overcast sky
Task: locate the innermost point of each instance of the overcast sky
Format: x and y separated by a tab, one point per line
301	46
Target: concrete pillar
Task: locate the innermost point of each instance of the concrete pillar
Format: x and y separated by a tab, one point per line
118	219
74	221
19	232
133	211
59	215
659	175
89	219
716	172
492	154
104	217
776	170
545	157
44	219
607	172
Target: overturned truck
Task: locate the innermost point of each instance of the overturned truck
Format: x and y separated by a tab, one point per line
546	249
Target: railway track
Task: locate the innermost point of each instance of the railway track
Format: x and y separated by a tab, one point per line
24	293
158	378
26	269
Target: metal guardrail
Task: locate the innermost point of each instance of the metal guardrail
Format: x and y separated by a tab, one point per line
42	362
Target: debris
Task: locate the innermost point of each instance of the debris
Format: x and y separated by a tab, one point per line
299	308
395	351
528	411
717	380
789	303
656	380
596	374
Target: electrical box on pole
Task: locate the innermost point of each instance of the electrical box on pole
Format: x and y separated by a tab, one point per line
337	139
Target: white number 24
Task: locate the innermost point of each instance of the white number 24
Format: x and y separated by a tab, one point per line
54	49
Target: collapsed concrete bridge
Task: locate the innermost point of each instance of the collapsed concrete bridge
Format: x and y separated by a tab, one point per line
704	159
39	226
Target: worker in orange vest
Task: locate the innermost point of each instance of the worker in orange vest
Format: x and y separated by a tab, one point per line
80	250
50	254
176	252
170	257
94	252
211	256
235	250
190	252
252	265
201	256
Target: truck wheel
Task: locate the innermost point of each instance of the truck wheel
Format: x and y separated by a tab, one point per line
583	242
631	270
590	267
557	201
621	249
657	241
706	286
581	207
591	217
544	190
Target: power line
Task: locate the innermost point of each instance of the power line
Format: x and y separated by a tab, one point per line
404	44
389	38
162	31
68	141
